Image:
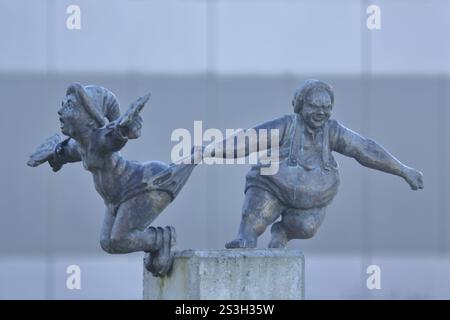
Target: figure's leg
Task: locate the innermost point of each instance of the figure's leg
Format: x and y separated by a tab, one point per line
296	224
105	234
260	209
129	232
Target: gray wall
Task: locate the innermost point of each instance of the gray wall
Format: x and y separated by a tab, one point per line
231	64
373	211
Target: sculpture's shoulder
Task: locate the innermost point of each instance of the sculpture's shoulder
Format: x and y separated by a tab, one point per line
333	132
337	128
339	135
333	124
285	123
287	119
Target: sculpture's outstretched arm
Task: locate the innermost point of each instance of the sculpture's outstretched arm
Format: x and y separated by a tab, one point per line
128	126
55	152
372	155
246	141
65	152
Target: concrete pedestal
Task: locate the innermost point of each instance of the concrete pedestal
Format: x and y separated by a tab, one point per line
247	274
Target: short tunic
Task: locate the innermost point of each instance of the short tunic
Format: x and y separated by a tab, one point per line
117	179
308	174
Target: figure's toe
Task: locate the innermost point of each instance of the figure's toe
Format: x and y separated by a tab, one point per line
148	261
279	237
173	235
276	244
160	261
233	244
239	243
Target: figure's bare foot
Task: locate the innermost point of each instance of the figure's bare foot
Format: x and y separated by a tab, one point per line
278	238
160	261
240	243
276	244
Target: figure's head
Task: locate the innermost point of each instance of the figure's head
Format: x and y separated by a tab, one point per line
313	100
86	108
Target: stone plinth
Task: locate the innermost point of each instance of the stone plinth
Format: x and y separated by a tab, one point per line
231	274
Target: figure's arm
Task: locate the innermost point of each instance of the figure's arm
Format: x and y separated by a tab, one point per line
372	155
111	138
116	134
66	151
56	152
244	142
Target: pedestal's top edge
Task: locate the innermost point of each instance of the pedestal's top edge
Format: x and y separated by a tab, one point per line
234	253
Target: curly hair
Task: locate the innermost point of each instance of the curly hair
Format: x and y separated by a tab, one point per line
302	93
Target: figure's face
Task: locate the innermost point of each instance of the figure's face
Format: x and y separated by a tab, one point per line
72	116
317	109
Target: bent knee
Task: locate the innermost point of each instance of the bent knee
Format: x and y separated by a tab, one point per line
308	230
115	244
301	229
120	243
105	244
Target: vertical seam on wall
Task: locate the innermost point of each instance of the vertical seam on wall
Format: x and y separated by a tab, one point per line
366	186
212	200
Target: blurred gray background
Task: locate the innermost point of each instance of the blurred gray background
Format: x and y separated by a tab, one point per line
231	64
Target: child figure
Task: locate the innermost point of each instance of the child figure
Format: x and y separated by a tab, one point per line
308	177
134	193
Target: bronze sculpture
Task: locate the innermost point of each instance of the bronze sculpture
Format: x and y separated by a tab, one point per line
134	193
307	179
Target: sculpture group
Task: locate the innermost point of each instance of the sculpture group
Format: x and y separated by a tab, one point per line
136	193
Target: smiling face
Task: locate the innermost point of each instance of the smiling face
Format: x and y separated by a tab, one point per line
72	117
317	108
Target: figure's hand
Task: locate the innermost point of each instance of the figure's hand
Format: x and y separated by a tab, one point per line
414	178
45	153
133	130
209	150
130	123
197	154
56	165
